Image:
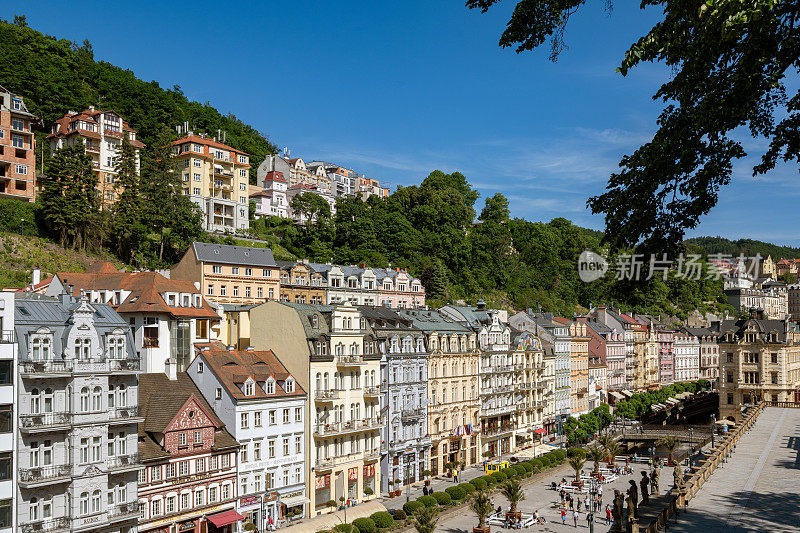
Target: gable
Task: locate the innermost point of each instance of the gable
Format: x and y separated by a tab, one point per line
191	416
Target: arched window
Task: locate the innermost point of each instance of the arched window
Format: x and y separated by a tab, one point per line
96	501
96	398
116	347
319	381
122	395
85	401
40	348
112	400
84	503
34	510
35	402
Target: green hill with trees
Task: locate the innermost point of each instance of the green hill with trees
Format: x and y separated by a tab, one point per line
431	229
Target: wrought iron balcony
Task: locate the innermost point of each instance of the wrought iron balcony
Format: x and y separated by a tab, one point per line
350	426
35	423
124	365
371	391
45	475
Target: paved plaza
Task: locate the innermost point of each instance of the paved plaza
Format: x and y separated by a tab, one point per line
540	497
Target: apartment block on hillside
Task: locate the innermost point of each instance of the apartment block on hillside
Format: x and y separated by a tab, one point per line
216	178
17	144
101	134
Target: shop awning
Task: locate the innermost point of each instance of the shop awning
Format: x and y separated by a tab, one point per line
616	395
225	518
540	431
295	500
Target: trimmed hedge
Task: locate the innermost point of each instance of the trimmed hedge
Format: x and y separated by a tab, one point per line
411	507
442	498
528	466
469	488
399	514
519	469
479	483
561	454
499	477
456	493
427	501
489	480
346	528
509	472
365	525
382	519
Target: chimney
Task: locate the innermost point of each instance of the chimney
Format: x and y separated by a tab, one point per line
171	369
91	108
36	276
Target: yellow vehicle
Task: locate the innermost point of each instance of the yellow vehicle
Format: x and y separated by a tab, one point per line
494	466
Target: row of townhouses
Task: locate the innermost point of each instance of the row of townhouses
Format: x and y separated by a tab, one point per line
139	402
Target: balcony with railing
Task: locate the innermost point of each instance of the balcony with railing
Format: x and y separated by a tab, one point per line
45	475
44	422
494	431
123	511
124	365
497	389
324	396
43	369
350	426
51	525
371	391
125	415
498	411
121	463
350	360
372	455
7	336
407	415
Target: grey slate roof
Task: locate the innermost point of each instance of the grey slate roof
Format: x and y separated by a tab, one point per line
34	311
234	255
429	321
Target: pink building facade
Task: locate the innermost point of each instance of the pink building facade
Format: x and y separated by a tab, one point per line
398	289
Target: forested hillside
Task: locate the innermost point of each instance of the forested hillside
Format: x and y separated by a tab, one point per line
56	75
748	247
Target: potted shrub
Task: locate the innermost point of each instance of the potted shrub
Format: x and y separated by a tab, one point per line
427	475
481	505
449	467
512	490
391	492
368	491
331	504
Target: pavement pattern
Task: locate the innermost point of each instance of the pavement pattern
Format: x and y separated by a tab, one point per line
758	489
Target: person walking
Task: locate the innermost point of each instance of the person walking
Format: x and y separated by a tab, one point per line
608	515
564	517
571	503
586	504
590	522
575	518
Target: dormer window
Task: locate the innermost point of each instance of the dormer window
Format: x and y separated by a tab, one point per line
314	321
270	386
40	348
116	347
289	385
83	348
249	388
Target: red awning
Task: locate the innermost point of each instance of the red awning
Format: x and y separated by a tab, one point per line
540	431
225	518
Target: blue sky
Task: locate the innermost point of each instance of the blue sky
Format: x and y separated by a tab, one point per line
397	89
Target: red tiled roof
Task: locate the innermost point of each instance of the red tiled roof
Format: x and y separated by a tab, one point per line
275	176
146	289
102	267
206	141
234	367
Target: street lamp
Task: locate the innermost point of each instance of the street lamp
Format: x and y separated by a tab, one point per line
22	225
652	456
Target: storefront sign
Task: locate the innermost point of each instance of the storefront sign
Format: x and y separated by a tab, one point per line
268	463
186	526
294	494
249	500
188	479
323	482
352	474
90	520
270	496
189	516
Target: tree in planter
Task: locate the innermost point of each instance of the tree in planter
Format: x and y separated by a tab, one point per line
577	462
670	443
449	467
481	505
427	475
368	491
425	519
512	490
613	449
331	504
597	454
